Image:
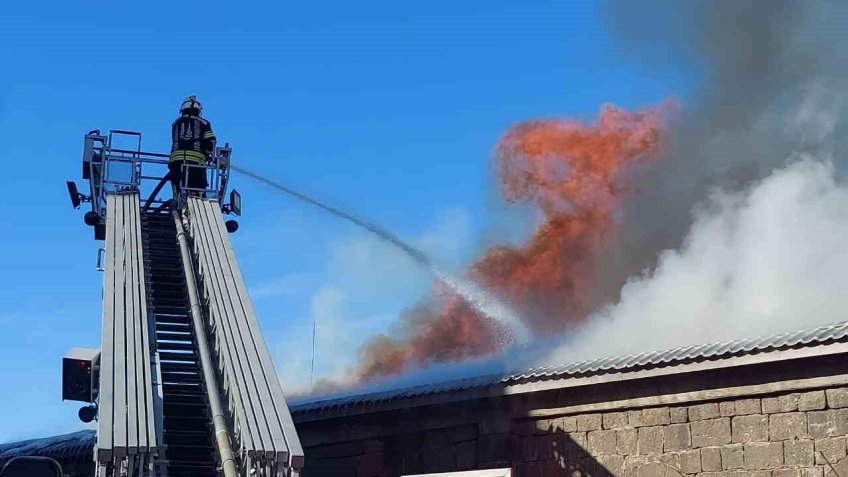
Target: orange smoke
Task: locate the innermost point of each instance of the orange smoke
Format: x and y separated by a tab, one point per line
576	174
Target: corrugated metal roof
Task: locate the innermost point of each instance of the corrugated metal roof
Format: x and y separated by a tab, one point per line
837	332
722	349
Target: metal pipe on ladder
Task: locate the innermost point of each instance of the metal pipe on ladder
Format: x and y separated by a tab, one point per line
219	422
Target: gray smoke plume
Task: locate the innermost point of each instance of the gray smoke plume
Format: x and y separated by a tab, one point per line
771	79
738	231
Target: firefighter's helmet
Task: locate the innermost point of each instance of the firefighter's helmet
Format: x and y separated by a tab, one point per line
191	105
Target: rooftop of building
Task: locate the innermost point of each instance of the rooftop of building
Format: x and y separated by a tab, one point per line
817	341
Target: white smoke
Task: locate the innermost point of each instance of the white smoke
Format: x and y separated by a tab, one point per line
772	257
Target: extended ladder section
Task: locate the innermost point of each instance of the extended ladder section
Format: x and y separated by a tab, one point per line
129	435
264	432
186	385
155	413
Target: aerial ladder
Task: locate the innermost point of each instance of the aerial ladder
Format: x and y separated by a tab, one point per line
183	383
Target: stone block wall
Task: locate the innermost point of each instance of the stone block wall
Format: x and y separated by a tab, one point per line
781	419
790	435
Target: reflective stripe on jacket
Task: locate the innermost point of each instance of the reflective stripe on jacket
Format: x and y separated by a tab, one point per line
191	156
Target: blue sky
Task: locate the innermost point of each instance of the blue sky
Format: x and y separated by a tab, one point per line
389	109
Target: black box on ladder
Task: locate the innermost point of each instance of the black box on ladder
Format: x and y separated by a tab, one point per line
80	368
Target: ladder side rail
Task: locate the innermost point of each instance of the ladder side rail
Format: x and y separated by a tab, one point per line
120	371
229	366
283	414
224	333
227	355
235	311
107	379
144	390
131	314
291	439
240	419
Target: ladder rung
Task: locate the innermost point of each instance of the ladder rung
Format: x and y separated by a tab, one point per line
171	336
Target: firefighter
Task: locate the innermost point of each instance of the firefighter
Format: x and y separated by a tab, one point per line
193	143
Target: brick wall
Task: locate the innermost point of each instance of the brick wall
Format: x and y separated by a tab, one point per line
789	435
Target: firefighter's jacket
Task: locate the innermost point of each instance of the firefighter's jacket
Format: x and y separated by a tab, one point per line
192	139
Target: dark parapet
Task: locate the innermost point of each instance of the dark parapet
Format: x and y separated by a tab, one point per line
74	452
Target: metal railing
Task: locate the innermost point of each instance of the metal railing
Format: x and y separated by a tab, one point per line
113	169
